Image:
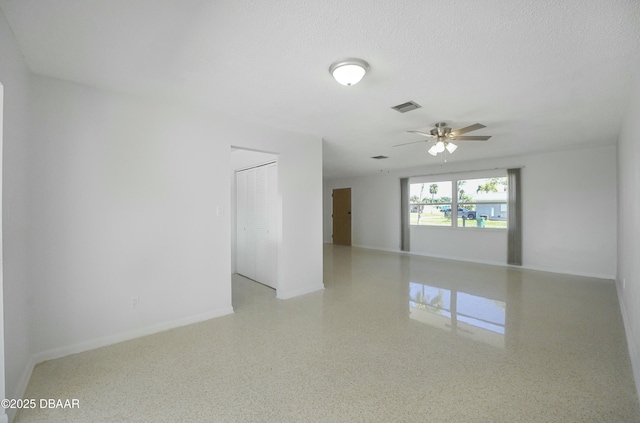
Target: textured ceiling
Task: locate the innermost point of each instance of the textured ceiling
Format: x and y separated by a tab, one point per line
542	75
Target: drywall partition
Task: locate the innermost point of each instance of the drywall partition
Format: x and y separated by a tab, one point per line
556	237
628	277
125	193
300	190
14	77
125	239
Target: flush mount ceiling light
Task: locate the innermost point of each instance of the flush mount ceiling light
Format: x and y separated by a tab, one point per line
349	71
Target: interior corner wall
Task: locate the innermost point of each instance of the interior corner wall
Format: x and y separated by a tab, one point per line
628	280
14	76
564	231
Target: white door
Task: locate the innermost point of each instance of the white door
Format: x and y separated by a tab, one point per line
261	224
241	223
250	224
257	224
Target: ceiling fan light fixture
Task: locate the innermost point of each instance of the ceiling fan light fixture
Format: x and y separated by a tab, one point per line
451	147
444	135
349	71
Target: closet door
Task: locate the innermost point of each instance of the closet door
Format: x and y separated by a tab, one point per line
257	224
250	224
241	223
261	224
245	223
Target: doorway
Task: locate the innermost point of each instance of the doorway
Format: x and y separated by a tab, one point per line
255	216
257	223
341	216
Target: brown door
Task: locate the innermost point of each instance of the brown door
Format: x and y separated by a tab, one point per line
342	216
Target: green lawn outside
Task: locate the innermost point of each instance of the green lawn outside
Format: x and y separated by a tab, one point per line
438	219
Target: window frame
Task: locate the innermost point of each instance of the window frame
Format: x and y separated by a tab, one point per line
437	204
455	204
475	204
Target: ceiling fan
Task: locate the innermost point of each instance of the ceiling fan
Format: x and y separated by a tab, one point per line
444	135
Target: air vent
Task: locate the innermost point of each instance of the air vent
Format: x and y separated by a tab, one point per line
406	107
380	157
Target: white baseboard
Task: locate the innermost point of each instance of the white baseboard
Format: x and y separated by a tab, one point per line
568	272
493	263
125	336
370	247
285	295
632	341
445	257
21	387
436	256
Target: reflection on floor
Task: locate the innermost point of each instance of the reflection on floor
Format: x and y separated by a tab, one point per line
392	338
479	318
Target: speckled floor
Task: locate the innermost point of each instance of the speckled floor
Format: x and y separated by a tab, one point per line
392	338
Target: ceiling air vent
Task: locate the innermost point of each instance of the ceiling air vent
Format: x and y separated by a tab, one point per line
380	157
406	107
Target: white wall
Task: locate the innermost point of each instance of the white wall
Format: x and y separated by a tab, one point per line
14	77
564	230
375	210
123	204
120	196
629	227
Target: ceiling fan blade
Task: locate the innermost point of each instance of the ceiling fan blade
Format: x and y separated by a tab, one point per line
412	142
422	133
473	127
472	138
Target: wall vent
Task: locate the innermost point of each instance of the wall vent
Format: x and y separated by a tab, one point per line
406	107
380	157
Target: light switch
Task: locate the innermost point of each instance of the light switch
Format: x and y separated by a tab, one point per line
220	211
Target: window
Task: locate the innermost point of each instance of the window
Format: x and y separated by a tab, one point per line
483	201
430	203
475	203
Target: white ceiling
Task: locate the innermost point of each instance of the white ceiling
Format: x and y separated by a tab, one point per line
542	75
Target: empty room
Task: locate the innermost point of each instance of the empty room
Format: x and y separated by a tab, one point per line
299	211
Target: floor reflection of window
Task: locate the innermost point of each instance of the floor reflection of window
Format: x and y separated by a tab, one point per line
468	315
430	298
